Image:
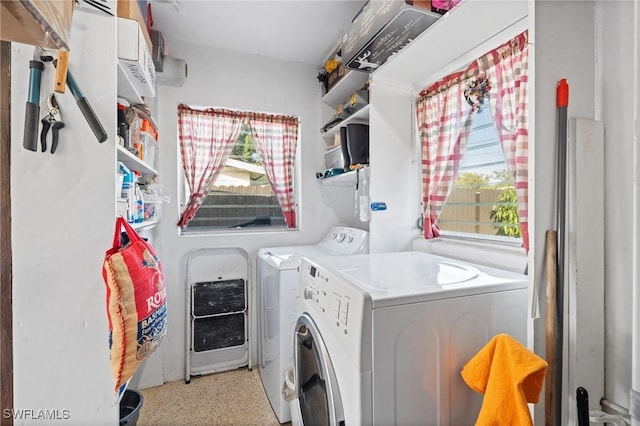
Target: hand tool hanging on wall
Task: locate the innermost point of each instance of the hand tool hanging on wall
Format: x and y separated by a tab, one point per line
53	121
83	104
85	108
81	100
32	113
60	82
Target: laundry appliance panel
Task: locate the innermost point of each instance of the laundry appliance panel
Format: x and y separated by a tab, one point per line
397	329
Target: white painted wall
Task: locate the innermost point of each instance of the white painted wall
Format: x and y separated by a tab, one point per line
63	210
234	80
392	173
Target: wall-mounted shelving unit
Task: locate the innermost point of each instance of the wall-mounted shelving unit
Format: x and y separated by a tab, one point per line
134	163
360	116
348	84
346	179
145	224
128	92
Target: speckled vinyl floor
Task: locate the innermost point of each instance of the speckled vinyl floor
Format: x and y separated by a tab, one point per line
231	398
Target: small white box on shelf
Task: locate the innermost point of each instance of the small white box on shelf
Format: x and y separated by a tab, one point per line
150	149
333	158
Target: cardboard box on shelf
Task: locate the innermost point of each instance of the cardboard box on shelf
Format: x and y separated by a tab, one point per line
135	57
37	22
130	9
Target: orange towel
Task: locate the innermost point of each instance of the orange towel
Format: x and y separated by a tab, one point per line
509	375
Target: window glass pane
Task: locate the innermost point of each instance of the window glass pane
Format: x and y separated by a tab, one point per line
241	197
483	198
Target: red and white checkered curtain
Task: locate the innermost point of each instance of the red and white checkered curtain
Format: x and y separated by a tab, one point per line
206	140
276	139
507	69
444	125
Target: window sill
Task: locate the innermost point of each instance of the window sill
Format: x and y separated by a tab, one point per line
498	254
221	232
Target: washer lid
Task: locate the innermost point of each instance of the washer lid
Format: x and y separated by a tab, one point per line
406	277
283	258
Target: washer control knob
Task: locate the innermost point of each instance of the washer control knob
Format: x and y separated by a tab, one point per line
349	239
333	236
340	237
308	293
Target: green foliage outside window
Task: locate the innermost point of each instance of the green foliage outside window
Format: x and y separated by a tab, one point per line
472	180
506	213
244	149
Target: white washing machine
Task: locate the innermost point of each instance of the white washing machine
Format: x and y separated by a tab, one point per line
278	288
382	338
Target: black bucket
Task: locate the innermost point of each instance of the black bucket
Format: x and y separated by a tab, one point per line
130	406
358	143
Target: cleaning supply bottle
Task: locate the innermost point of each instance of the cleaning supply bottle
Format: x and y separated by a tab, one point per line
139	200
124	183
128	192
139	205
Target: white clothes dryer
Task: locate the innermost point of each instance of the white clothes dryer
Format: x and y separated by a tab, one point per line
382	338
278	288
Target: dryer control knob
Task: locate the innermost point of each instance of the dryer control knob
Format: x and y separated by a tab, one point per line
340	237
308	293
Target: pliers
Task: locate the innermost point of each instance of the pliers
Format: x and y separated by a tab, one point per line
52	120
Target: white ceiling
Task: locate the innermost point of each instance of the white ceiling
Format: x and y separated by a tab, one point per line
294	30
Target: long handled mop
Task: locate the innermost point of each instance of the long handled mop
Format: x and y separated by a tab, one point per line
555	305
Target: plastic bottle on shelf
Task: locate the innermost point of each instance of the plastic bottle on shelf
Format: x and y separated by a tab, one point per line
138	199
139	147
123	172
139	205
124	130
128	191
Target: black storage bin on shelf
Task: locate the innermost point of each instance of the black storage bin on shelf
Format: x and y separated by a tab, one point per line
130	406
345	148
358	143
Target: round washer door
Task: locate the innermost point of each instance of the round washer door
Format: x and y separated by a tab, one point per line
316	386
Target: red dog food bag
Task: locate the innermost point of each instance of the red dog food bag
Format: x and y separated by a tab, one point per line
136	302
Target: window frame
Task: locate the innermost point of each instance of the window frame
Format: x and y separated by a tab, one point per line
471	236
486	243
183	190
